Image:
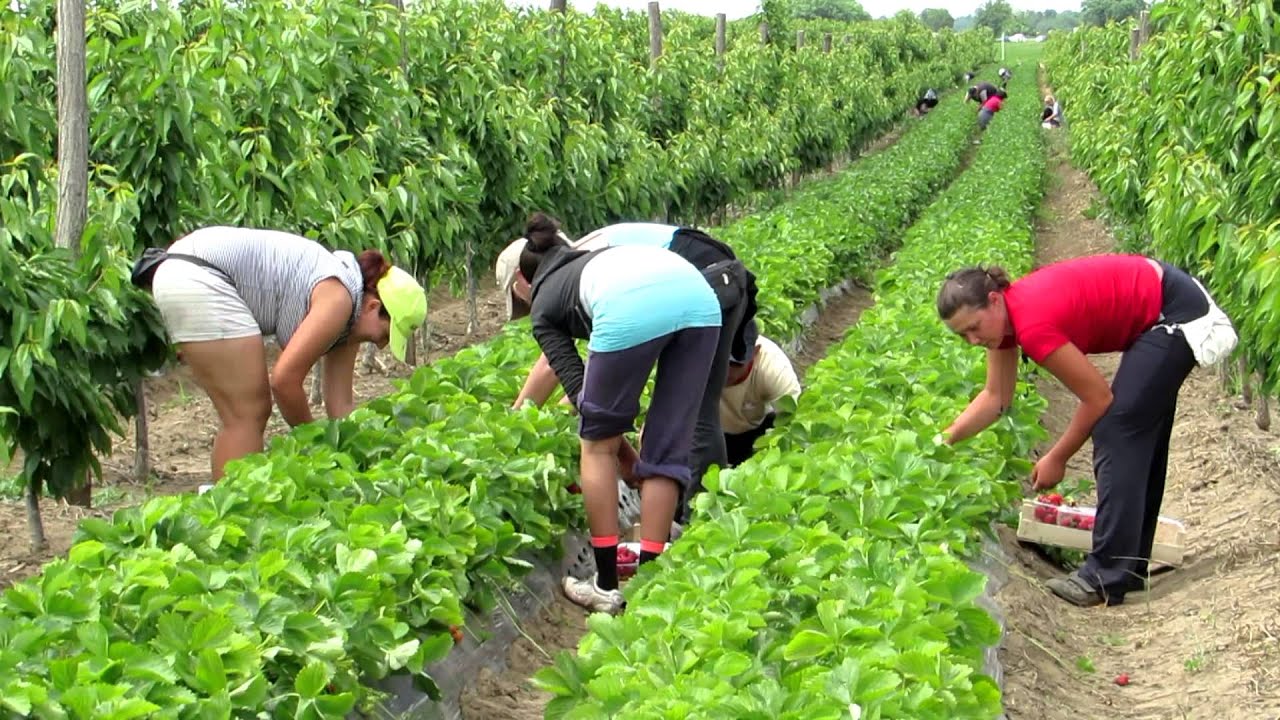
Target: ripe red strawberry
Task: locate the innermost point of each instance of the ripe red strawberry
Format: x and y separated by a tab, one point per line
456	632
1086	522
1122	679
574	489
1055	499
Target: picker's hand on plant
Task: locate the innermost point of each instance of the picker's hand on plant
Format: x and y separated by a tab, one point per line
1048	472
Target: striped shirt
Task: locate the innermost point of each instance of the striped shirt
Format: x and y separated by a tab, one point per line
275	272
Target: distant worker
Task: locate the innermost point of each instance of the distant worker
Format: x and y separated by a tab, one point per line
1051	115
1005	77
989	109
980	92
747	408
927	102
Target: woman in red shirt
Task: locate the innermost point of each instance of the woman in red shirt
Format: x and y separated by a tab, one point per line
1056	316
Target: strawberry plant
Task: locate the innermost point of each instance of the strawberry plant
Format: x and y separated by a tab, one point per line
343	553
827	572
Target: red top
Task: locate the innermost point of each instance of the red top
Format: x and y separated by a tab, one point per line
1100	303
993	103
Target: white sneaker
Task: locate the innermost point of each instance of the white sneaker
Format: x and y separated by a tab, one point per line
587	594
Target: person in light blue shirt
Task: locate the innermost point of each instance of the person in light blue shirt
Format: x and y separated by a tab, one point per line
738	329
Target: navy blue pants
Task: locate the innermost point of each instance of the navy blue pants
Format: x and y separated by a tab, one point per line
1131	443
610	399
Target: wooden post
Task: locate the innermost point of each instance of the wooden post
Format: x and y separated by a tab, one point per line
655	33
73	174
73	127
1133	44
1263	418
764	33
1144	26
558	6
799	39
826	42
720	38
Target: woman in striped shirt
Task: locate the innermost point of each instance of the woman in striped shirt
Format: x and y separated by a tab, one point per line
221	290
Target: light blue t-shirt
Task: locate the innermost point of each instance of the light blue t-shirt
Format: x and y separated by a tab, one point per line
637	293
621	234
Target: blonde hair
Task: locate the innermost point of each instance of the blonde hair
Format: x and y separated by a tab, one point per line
1048	99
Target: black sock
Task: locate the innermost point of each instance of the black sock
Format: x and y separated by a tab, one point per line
607	567
646	556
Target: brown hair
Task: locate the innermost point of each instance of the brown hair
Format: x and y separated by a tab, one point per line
543	233
373	265
970	287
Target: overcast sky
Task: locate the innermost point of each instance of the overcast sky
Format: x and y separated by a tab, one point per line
741	8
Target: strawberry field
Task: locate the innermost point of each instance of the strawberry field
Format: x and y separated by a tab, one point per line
361	567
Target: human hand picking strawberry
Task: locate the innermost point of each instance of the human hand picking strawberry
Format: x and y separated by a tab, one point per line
1048	472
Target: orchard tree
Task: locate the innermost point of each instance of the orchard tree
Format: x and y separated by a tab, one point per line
1101	12
995	14
842	10
937	18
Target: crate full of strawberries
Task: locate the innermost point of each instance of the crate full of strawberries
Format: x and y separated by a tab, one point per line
1051	519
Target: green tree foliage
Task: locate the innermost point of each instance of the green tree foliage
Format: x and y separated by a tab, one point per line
937	18
995	14
843	10
1101	12
1189	162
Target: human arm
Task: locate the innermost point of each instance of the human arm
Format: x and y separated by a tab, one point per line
992	401
539	385
776	376
1075	371
561	352
339	373
327	316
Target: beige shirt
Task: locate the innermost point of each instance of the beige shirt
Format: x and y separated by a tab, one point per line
744	406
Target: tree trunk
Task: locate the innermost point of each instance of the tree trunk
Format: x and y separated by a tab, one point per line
34	522
473	310
317	383
1263	418
370	361
1246	386
142	445
73	127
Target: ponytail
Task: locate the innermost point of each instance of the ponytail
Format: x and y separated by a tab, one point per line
970	287
542	233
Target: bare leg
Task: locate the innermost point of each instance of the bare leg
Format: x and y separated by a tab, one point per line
600	485
234	374
658	498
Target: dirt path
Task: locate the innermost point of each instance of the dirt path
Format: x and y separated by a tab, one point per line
1204	642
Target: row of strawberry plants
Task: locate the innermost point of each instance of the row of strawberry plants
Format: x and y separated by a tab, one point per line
836	230
345	552
1188	159
825	578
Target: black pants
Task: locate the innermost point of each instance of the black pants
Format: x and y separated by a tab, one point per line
741	446
1131	443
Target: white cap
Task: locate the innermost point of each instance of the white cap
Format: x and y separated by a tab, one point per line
507	267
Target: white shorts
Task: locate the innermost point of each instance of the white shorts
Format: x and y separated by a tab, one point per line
198	305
